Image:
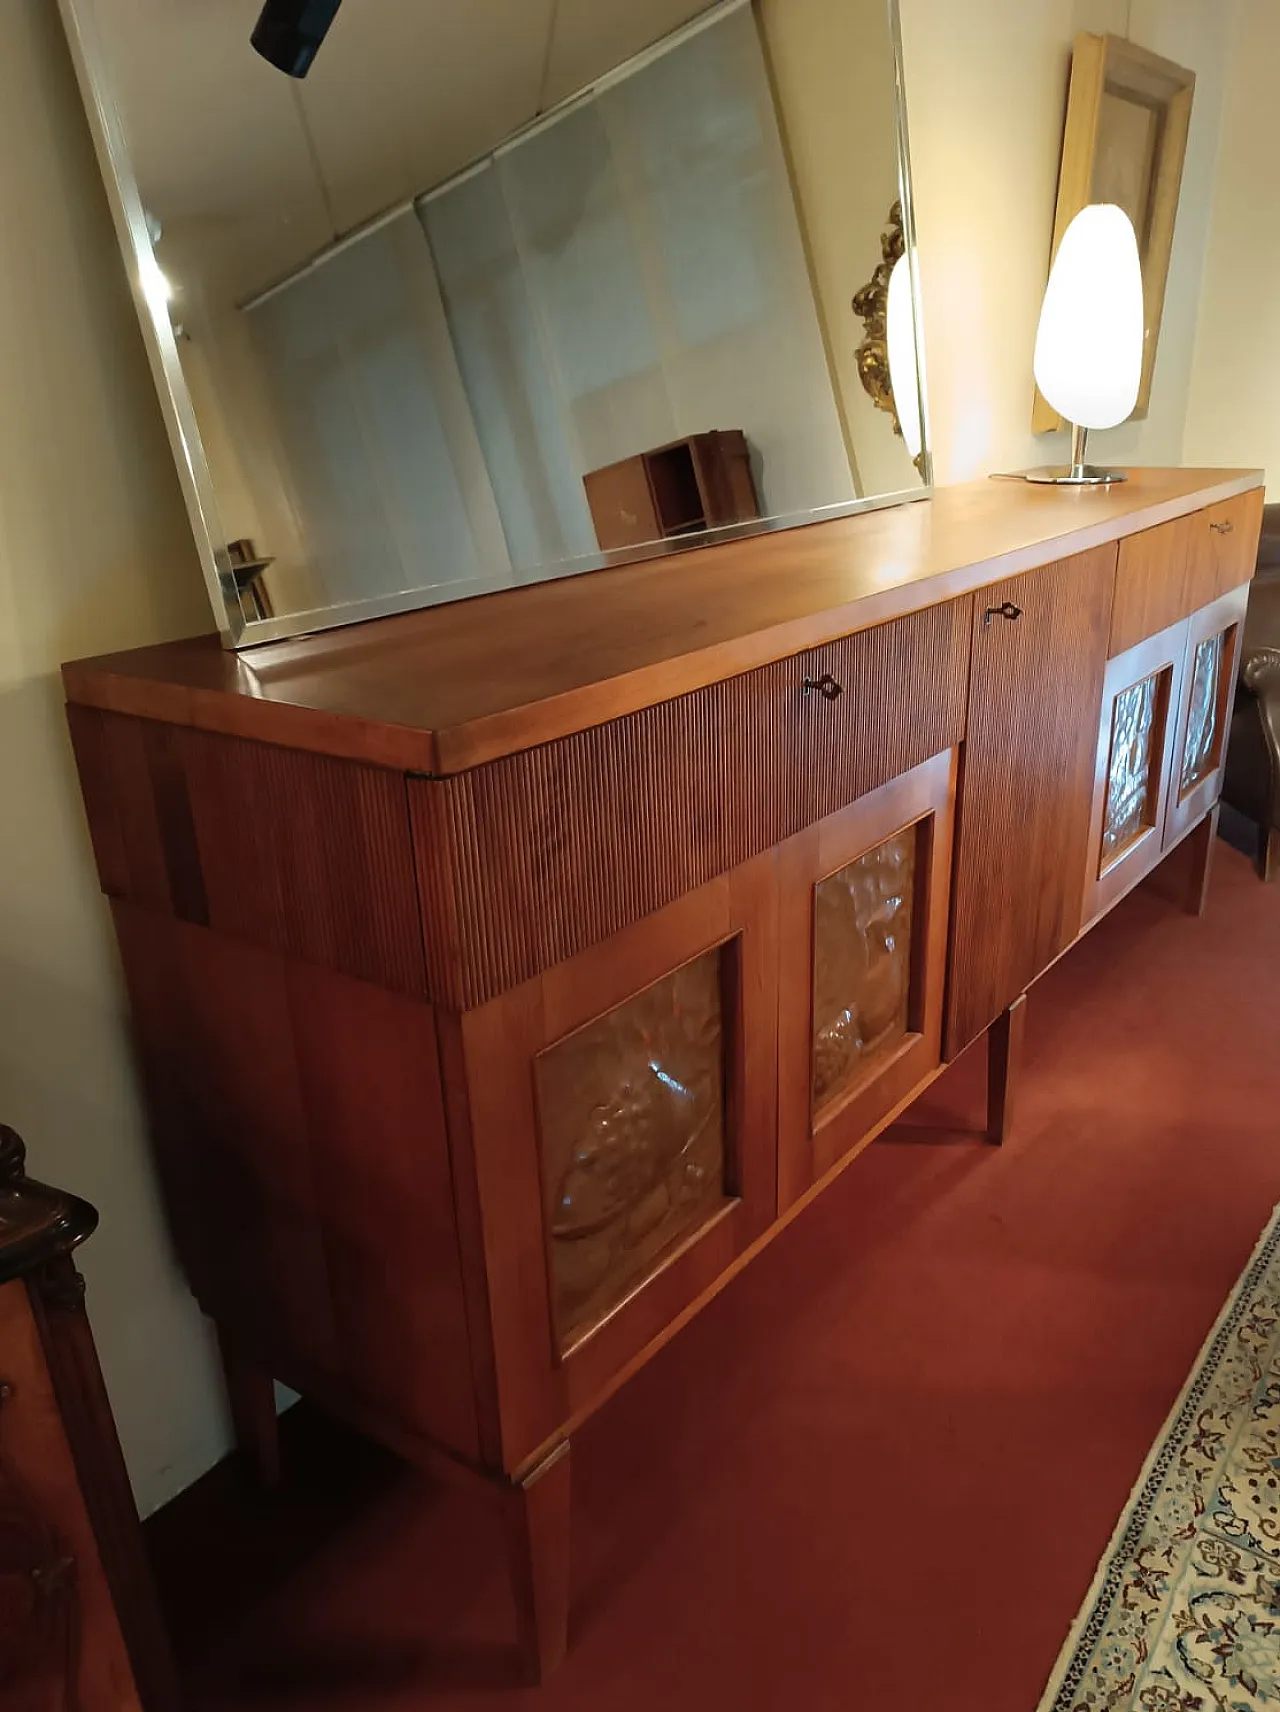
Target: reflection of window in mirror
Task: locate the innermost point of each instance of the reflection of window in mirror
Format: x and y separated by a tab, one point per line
424	332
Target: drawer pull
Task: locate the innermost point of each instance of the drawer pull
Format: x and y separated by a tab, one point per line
1223	528
1006	609
826	686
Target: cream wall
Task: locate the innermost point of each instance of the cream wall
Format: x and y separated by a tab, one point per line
1234	413
986	93
95	553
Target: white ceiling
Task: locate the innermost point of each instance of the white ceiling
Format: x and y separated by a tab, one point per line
237	160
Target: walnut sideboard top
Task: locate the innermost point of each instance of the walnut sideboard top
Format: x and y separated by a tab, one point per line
447	688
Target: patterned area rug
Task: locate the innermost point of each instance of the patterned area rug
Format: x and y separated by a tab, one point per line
1184	1613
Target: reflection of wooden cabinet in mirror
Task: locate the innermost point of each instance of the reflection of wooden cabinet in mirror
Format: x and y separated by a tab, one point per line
704	482
506	974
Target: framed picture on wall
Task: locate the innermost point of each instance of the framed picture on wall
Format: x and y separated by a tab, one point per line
1128	112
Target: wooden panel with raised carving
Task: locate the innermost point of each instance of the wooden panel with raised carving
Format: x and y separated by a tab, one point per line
1133	771
1202	714
526	861
631	1120
862	953
622	1115
1133	766
1039	652
861	964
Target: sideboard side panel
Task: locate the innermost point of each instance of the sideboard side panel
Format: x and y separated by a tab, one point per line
299	1131
290	851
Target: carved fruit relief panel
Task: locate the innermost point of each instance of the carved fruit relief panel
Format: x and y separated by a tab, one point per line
631	1112
861	964
1134	740
1199	754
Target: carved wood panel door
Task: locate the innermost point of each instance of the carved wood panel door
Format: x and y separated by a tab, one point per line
1035	692
1142	691
622	1111
1204	712
862	956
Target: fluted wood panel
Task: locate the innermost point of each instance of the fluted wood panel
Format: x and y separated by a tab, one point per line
1034	704
528	860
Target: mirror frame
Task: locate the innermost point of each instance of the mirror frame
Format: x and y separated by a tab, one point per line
237	630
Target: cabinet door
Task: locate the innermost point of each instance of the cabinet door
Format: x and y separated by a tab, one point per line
1039	648
862	958
1132	766
1204	712
622	1109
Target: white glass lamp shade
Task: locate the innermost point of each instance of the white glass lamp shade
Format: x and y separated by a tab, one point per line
1088	361
904	369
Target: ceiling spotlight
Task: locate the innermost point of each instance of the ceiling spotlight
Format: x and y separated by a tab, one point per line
290	32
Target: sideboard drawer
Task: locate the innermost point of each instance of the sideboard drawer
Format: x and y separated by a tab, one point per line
526	861
1224	548
1167	573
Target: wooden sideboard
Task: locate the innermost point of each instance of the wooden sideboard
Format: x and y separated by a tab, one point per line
506	974
79	1627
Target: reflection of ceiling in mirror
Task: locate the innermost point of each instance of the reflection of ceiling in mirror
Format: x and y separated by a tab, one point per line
251	173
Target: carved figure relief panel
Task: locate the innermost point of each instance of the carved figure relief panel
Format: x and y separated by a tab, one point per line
1200	749
861	964
1133	770
631	1116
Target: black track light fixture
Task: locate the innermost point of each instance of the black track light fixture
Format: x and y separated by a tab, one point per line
290	32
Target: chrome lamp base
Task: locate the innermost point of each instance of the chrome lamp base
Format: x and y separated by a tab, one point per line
1077	473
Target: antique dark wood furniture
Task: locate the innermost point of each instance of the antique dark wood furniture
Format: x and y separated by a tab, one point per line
703	482
79	1628
506	974
1252	781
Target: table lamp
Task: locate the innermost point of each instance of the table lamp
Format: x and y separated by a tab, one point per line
1088	358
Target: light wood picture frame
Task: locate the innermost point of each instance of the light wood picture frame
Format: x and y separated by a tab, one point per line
1128	113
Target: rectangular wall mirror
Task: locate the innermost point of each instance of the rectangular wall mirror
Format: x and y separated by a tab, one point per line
505	290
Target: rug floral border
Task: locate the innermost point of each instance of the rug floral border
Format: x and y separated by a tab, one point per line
1184	1611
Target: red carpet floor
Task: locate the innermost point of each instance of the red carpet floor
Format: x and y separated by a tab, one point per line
880	1469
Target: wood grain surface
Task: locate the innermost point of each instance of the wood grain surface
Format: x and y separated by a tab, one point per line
524	862
1169	572
443	689
1035	698
299	1132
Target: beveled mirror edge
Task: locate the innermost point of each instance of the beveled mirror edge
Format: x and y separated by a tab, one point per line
125	201
906	196
235	630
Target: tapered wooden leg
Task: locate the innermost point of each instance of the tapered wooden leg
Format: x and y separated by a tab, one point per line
252	1396
536	1512
1269	852
1004	1069
1200	847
